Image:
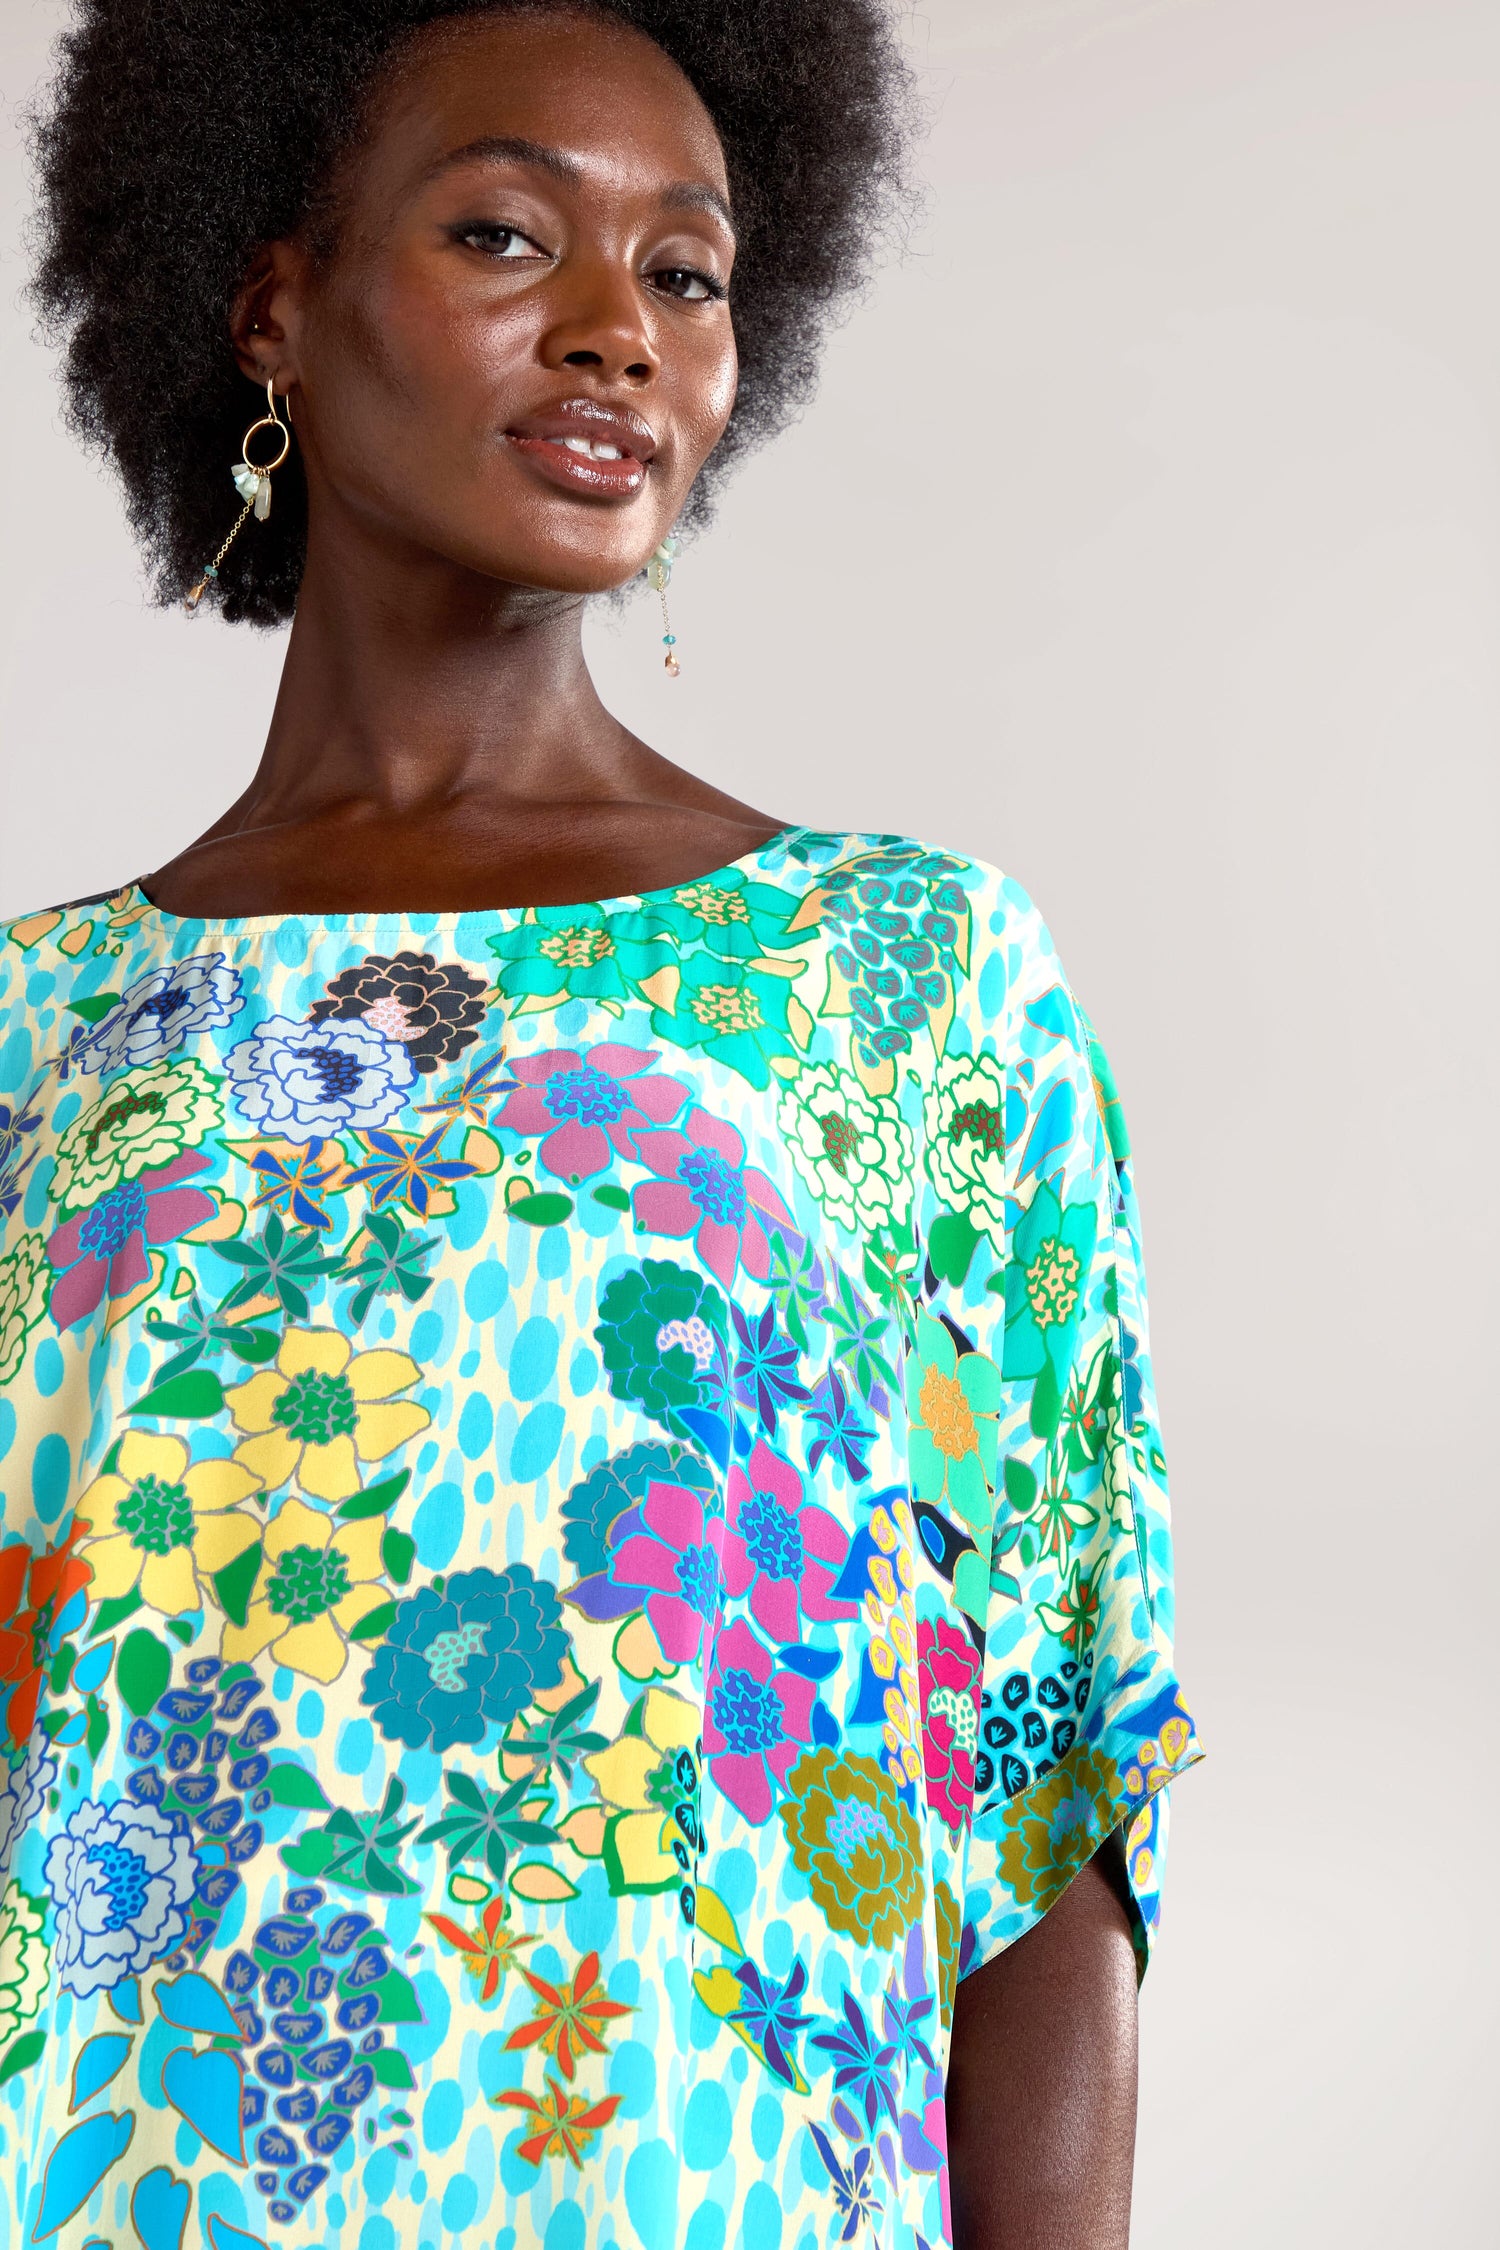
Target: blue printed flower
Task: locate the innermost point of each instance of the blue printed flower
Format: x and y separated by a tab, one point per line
121	1877
463	1656
17	1121
765	1367
863	2071
843	1433
162	1010
300	1081
772	2016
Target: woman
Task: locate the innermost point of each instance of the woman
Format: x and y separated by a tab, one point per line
585	1549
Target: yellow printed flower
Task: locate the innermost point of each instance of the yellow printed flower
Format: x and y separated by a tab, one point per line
164	1523
315	1585
321	1410
651	1786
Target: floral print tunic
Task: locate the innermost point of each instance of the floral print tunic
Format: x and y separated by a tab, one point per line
584	1534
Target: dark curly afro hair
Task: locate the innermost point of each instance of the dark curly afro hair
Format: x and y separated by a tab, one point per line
178	135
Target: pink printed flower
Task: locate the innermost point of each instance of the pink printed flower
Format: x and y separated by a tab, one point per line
704	1187
948	1666
756	1719
588	1105
102	1251
782	1547
675	1562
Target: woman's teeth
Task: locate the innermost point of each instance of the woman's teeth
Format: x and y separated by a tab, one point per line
593	449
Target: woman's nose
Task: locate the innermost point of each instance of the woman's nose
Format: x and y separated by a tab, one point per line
602	323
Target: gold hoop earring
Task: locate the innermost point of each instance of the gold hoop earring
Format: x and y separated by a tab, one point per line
252	481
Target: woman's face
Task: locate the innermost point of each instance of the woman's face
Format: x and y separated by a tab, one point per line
521	353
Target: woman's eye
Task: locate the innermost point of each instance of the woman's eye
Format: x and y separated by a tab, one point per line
500	242
688	283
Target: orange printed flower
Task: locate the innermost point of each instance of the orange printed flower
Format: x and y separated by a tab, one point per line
489	1951
566	2124
35	1590
569	2021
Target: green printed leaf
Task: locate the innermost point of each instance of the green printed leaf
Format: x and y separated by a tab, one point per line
255	1344
392	2069
545	1209
143	1669
110	1614
291	1784
189	1397
951	1246
379	1621
398	1998
98	1727
22	2053
235	1583
1020	1486
398	1551
613	1198
310	1856
375	1498
96	1007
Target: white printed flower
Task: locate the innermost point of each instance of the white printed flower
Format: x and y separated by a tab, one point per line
24	1274
853	1149
23	1960
303	1081
162	1010
140	1121
965	1119
120	1877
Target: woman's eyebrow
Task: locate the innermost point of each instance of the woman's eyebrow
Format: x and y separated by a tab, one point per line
514	148
508	148
695	195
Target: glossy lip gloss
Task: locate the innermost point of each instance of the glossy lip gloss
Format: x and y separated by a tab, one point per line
584	446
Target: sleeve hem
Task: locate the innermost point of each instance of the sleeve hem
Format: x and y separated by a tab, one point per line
1093	1793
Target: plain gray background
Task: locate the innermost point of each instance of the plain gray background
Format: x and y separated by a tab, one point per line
1144	538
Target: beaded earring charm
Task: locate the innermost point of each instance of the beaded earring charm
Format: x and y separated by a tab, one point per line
658	575
252	481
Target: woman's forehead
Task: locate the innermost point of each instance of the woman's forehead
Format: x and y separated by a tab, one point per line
588	93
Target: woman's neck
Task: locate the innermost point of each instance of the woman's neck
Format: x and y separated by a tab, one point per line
437	741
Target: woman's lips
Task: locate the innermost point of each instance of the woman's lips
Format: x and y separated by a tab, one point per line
582	444
580	463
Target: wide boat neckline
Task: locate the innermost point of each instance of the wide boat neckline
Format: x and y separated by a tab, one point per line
433	919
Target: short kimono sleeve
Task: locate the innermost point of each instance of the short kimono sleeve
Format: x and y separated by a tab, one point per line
1081	1720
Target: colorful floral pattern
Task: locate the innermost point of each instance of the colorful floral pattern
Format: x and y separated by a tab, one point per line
584	1536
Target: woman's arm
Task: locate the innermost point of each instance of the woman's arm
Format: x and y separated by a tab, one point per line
1042	2079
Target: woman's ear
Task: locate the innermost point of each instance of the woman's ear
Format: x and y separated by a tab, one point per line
263	320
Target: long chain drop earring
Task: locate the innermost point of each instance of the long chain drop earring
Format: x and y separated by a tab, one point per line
252	481
659	575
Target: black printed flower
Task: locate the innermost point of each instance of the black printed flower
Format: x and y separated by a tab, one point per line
433	1009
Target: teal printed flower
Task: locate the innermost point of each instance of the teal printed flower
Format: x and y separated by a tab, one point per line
580	953
464	1656
1045	1282
728	915
733	1012
661	1332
